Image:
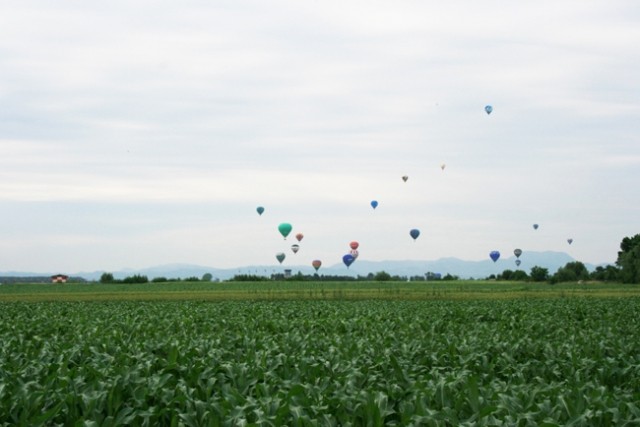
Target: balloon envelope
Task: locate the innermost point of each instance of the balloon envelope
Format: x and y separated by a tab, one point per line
285	229
374	204
414	233
316	263
517	252
259	209
488	109
354	245
280	257
354	253
518	262
348	260
295	248
442	166
535	226
570	241
405	178
299	236
494	255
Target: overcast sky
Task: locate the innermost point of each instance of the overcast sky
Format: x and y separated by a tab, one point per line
134	134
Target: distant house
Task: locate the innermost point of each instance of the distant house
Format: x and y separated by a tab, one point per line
59	278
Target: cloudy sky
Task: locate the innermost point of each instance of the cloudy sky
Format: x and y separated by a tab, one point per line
134	134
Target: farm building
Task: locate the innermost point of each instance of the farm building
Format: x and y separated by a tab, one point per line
59	278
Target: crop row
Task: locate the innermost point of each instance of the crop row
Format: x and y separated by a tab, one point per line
520	362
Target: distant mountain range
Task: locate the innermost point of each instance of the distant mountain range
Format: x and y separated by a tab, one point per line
454	266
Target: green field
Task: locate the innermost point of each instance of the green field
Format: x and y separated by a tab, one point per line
463	353
278	290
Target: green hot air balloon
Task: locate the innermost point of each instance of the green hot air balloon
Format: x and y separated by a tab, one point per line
285	229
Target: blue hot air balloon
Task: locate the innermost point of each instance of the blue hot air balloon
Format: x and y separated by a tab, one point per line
260	209
374	204
518	262
494	255
488	109
348	259
414	233
535	226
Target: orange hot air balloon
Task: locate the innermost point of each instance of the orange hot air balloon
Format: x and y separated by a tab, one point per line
316	264
299	236
354	245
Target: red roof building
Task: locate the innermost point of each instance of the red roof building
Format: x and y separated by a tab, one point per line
59	278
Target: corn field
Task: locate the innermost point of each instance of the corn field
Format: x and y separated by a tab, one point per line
521	362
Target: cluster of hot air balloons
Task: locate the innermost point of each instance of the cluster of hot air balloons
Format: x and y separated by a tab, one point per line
495	255
350	257
285	229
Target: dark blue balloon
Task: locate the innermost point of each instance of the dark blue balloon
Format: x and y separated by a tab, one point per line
488	109
374	204
414	233
348	259
259	209
494	255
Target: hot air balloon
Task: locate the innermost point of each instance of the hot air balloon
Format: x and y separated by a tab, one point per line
494	255
280	257
316	263
285	229
299	236
488	109
414	233
535	226
442	166
517	252
348	260
354	245
354	253
570	241
374	204
405	178
259	209
518	262
295	248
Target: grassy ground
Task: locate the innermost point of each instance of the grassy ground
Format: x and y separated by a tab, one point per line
281	290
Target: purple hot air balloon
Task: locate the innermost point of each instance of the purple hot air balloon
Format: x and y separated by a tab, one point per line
494	255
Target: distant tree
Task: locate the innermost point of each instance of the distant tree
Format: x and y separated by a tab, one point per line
432	276
106	278
519	275
382	276
206	277
539	274
254	278
450	277
571	272
159	280
506	275
629	259
192	279
136	278
298	277
610	273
